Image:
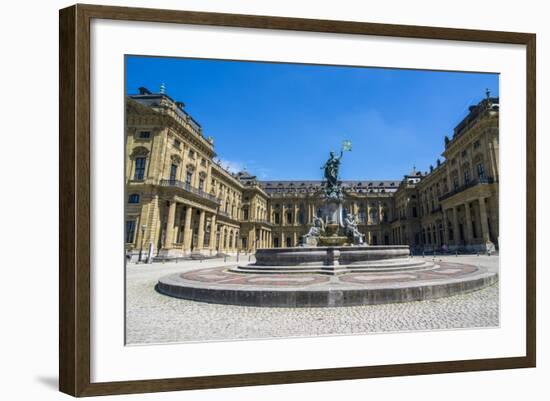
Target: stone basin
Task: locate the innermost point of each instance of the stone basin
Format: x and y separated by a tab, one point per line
329	255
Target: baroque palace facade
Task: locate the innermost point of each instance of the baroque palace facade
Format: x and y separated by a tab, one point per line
181	202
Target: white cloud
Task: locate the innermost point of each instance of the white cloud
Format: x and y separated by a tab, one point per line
233	166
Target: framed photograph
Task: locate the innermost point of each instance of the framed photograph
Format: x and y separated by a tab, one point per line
250	200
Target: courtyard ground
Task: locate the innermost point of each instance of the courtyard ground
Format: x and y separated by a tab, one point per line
155	318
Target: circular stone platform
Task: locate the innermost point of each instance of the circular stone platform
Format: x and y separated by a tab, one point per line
270	288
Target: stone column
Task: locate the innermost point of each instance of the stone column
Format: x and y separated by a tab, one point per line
261	241
283	217
445	228
187	233
283	240
212	242
169	239
200	237
177	220
456	232
354	208
468	217
368	216
492	161
485	235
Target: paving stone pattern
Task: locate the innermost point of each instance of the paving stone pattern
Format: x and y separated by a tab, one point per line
155	318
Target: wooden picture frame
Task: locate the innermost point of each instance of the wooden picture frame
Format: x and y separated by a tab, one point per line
75	207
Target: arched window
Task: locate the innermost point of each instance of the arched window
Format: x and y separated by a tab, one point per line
362	215
385	215
139	155
373	215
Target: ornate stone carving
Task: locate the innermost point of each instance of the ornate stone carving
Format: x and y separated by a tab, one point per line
350	223
140	151
176	159
315	231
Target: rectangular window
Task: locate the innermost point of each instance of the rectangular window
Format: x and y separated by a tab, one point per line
139	173
173	172
130	231
481	170
189	177
177	143
145	134
466	176
476	144
201	184
133	198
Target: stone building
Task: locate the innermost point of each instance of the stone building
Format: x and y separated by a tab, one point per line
180	201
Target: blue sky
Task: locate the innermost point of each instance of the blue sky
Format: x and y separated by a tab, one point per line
279	121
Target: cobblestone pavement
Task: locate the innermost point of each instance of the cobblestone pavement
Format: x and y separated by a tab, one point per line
155	318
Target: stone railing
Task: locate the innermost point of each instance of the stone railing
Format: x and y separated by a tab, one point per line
189	188
472	183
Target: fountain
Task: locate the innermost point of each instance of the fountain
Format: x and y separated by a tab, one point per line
332	267
333	243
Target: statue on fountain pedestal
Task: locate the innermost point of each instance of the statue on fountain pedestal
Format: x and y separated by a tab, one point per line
331	168
315	231
352	231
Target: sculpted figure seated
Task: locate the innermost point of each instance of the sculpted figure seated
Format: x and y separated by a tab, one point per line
350	223
317	228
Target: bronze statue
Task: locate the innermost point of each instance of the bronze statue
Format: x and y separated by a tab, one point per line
332	167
